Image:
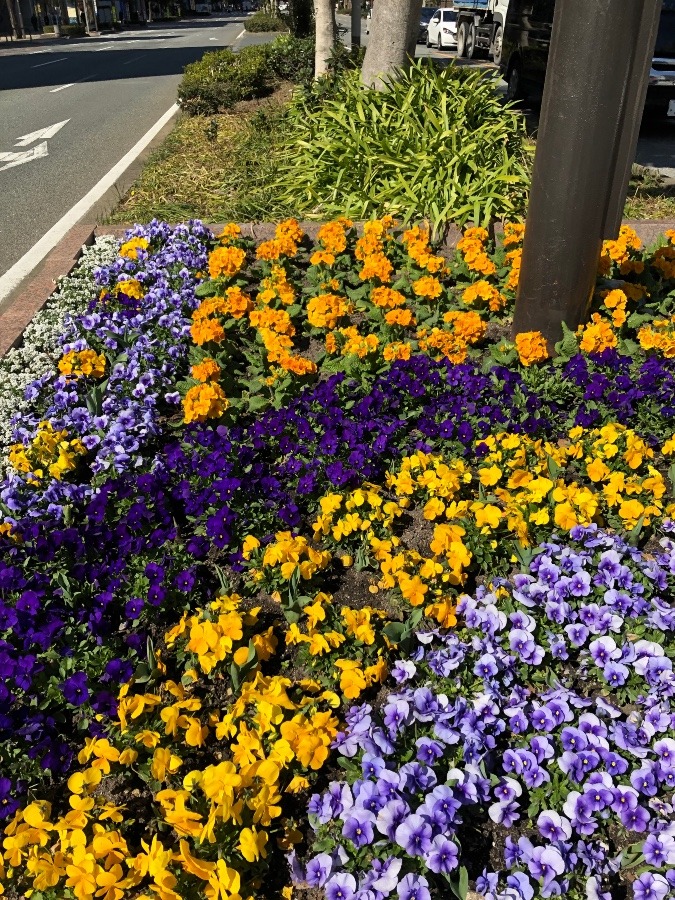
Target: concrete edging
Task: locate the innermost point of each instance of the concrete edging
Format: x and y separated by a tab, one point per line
61	261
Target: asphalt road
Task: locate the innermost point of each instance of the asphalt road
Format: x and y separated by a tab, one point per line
656	147
109	91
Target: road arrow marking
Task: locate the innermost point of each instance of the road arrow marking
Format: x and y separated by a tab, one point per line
42	134
18	159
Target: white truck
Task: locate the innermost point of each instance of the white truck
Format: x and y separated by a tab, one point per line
480	27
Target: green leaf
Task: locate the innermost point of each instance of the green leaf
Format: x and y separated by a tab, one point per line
206	289
566	348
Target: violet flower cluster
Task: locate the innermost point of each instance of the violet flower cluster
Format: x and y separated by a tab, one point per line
145	342
611	386
551	713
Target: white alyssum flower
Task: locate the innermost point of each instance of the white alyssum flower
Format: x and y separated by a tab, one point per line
39	350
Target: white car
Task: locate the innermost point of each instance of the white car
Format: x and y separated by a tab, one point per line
442	29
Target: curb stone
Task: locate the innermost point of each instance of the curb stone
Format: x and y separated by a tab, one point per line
30	297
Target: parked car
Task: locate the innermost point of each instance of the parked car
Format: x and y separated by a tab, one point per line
527	40
442	29
425	17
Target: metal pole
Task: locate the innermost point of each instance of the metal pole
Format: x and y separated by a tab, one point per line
356	23
595	86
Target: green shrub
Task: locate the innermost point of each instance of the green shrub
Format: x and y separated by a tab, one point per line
263	21
292	59
220	79
437	145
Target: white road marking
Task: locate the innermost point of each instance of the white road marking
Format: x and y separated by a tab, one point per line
98	49
63	87
49	62
213	39
241	34
30	260
135	59
43	133
18	159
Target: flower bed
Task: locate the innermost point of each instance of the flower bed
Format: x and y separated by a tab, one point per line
296	534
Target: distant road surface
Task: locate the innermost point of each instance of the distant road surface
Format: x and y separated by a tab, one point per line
70	110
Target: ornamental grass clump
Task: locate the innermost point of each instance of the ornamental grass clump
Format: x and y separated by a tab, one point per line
437	145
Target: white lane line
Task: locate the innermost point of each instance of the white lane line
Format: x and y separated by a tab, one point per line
241	34
63	87
30	260
49	62
135	59
98	49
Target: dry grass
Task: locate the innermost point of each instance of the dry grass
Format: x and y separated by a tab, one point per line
214	168
649	197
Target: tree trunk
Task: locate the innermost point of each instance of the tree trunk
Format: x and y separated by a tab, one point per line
17	31
91	24
63	9
393	37
326	29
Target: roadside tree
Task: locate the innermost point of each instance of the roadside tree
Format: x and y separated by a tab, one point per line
326	31
393	36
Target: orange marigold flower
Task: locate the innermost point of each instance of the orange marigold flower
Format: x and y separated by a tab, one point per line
238	303
298	365
531	347
476	234
468	326
230	231
322	258
396	350
269	250
207	370
447	343
386	297
275	319
204	401
482	292
349	341
226	262
290	230
427	286
513	234
514	258
326	310
376	266
597	335
205	330
333	235
659	336
403	317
